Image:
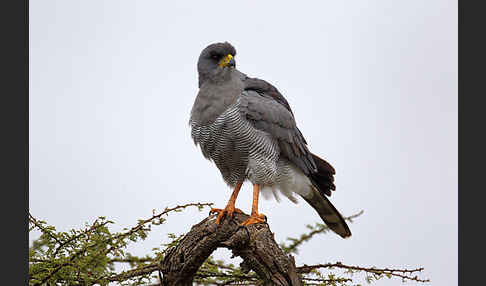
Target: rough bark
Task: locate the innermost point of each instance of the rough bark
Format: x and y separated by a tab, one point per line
255	244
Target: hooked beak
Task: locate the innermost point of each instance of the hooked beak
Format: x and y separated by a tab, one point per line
229	60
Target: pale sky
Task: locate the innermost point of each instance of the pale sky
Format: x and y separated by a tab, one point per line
373	86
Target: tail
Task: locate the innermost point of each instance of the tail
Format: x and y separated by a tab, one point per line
323	183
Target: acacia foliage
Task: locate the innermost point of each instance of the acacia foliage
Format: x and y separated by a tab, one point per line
88	256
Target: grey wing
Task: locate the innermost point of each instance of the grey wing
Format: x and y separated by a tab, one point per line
267	114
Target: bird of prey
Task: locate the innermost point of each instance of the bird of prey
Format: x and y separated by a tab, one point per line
247	128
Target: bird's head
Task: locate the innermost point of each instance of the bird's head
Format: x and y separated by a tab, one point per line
214	59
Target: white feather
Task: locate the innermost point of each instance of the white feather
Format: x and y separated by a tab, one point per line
290	180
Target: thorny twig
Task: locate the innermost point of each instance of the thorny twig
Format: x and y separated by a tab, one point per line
305	237
402	273
122	235
43	229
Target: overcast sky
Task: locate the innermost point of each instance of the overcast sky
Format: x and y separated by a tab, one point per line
373	86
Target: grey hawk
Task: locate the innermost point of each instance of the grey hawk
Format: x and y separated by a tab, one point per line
247	128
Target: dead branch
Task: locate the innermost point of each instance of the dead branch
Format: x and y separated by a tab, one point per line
255	244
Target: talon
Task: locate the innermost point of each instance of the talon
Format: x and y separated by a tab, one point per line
255	218
227	211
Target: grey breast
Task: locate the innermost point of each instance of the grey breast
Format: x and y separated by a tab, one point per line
238	149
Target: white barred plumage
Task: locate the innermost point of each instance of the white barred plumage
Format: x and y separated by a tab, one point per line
246	127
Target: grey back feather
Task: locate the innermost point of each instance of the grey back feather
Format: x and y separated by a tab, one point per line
272	117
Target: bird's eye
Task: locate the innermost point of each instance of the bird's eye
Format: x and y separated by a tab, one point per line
215	56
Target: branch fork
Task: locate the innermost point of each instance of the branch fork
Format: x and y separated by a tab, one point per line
255	244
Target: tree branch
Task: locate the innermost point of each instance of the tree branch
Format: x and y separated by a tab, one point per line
319	228
405	274
255	244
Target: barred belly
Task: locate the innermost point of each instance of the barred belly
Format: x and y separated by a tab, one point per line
239	150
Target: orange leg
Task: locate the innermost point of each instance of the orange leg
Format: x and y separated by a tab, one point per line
230	207
255	217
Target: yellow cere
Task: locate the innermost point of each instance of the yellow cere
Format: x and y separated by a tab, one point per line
224	62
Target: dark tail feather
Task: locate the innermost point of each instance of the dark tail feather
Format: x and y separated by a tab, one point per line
324	178
328	213
323	182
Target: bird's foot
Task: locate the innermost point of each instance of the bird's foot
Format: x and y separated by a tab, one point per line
227	211
255	218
